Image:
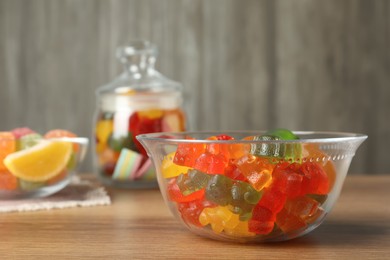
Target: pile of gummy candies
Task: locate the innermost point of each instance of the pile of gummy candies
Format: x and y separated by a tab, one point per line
248	190
120	155
22	139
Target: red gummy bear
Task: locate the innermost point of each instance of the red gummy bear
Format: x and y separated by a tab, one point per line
273	199
300	179
233	172
186	154
211	163
190	211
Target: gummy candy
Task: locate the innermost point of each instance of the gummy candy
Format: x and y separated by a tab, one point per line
218	190
222	219
211	163
257	170
192	181
103	130
175	194
117	143
190	211
7	180
21	131
7	146
249	192
144	122
28	140
27	163
187	154
127	165
276	149
115	132
169	169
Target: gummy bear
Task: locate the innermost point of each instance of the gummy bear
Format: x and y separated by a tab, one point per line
262	221
244	197
190	211
222	219
233	172
211	163
170	169
218	190
174	193
239	196
300	179
275	149
272	199
313	152
192	181
257	170
288	222
215	148
187	153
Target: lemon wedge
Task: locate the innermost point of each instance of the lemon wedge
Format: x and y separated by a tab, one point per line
40	162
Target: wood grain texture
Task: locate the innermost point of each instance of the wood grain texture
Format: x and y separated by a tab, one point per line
303	65
139	226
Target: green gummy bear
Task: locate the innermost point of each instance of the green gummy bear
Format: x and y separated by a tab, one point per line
218	190
192	181
277	149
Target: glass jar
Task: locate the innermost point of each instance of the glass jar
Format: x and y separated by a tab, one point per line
140	100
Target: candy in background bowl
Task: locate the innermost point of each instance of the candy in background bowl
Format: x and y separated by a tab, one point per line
34	165
251	186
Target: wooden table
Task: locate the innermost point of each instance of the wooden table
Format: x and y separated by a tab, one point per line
138	225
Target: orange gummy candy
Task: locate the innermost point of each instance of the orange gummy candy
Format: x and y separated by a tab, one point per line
7	146
8	181
58	133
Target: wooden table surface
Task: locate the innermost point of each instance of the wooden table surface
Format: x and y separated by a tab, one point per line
138	225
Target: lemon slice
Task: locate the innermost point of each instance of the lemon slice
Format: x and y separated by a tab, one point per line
40	162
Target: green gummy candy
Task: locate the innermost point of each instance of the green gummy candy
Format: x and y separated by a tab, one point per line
29	185
193	181
283	134
218	190
72	162
276	149
28	141
244	198
117	143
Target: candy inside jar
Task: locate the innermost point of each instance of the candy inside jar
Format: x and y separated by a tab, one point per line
139	101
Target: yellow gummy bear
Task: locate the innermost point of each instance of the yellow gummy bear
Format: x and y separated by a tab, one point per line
222	219
169	169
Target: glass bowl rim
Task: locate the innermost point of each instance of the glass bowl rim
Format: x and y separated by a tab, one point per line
78	140
332	137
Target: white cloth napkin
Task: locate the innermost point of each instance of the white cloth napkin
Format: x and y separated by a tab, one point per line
78	193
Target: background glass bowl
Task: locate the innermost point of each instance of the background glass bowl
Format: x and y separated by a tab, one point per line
276	199
23	189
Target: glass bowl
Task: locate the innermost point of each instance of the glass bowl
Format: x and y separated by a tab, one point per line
251	186
40	169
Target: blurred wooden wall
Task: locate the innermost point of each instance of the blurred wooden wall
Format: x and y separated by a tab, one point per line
303	64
